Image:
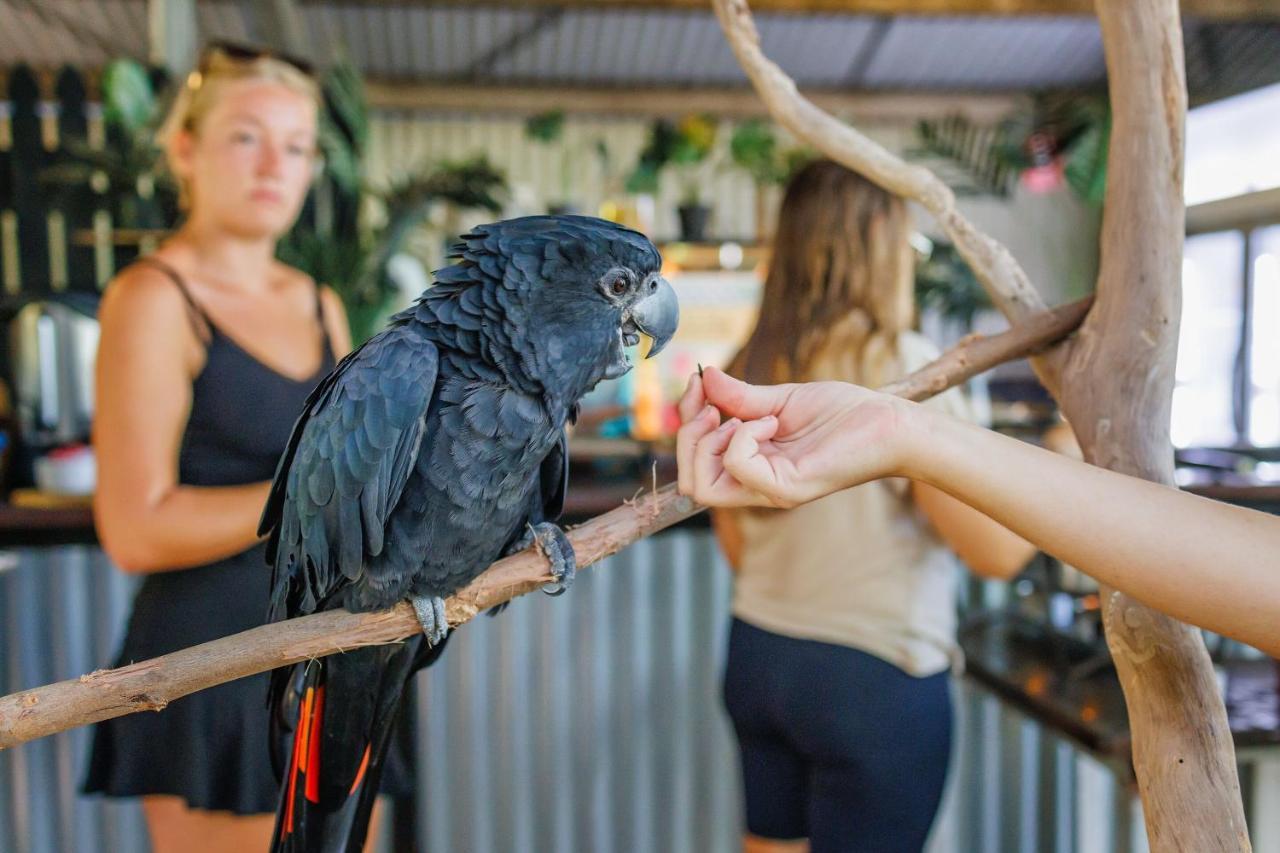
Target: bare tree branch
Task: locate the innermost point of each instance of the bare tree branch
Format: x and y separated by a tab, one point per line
151	684
992	263
976	353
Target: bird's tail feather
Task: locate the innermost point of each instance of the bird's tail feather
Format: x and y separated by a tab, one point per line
346	712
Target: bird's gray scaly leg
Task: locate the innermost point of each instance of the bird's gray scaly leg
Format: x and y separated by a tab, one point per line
431	616
557	548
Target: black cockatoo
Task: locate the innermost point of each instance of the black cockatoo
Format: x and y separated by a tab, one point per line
429	452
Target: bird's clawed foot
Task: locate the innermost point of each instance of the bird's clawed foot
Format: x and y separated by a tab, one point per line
431	616
558	550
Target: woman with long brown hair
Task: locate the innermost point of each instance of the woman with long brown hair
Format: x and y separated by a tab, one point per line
842	639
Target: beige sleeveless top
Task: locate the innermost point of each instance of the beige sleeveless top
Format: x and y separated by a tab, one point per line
859	568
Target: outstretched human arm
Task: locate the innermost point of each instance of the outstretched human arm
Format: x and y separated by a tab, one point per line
1207	563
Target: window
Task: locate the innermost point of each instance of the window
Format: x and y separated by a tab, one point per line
1227	389
1264	339
1231	146
1209	342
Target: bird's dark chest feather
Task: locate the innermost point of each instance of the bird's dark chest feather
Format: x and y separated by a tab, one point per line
476	477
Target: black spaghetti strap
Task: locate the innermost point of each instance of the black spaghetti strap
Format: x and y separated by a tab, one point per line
324	327
201	323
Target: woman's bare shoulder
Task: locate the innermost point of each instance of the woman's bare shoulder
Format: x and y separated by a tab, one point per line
142	291
143	311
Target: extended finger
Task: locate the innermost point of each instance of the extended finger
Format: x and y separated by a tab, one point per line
693	400
707	466
687	438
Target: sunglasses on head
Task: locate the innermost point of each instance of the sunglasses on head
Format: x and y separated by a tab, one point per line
248	53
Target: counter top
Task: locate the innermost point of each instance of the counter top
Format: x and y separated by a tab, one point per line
1254	495
26	526
592	491
1012	659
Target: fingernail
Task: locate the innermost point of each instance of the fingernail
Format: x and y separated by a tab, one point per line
732	422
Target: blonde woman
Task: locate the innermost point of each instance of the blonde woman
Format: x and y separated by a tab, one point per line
209	347
844	609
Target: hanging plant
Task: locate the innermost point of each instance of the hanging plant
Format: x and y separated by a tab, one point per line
754	148
1061	139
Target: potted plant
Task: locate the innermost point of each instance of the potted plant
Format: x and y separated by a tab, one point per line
695	139
945	283
357	263
685	146
1060	138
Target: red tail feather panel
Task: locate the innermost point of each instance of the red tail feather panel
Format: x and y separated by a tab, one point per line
312	766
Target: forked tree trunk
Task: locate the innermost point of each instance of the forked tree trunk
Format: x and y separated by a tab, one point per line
1114	380
1116	392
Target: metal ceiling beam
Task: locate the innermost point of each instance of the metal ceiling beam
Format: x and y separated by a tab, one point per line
867	53
279	24
648	102
509	45
1207	9
171	34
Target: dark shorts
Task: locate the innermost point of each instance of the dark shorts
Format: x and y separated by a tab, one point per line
838	746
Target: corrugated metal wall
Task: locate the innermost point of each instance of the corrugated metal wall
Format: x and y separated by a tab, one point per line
595	717
402	143
64	610
590	722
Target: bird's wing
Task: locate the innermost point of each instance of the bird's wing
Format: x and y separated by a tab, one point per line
345	467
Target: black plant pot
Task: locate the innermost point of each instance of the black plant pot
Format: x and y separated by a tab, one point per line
694	219
564	209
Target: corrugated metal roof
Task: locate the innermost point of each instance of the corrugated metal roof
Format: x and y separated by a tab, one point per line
1226	59
988	53
547	44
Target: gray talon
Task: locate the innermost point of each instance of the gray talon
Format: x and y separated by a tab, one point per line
557	548
431	616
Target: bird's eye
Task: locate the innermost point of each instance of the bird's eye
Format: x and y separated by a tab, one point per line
619	286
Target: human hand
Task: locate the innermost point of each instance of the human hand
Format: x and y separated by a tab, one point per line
784	445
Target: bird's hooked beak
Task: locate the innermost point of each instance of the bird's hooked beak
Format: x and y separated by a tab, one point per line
657	314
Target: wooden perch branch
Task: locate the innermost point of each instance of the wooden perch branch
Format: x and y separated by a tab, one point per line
977	354
151	684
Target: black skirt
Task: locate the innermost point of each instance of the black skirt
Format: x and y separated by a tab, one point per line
209	748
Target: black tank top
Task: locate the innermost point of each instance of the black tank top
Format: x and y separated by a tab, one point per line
242	410
242	413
